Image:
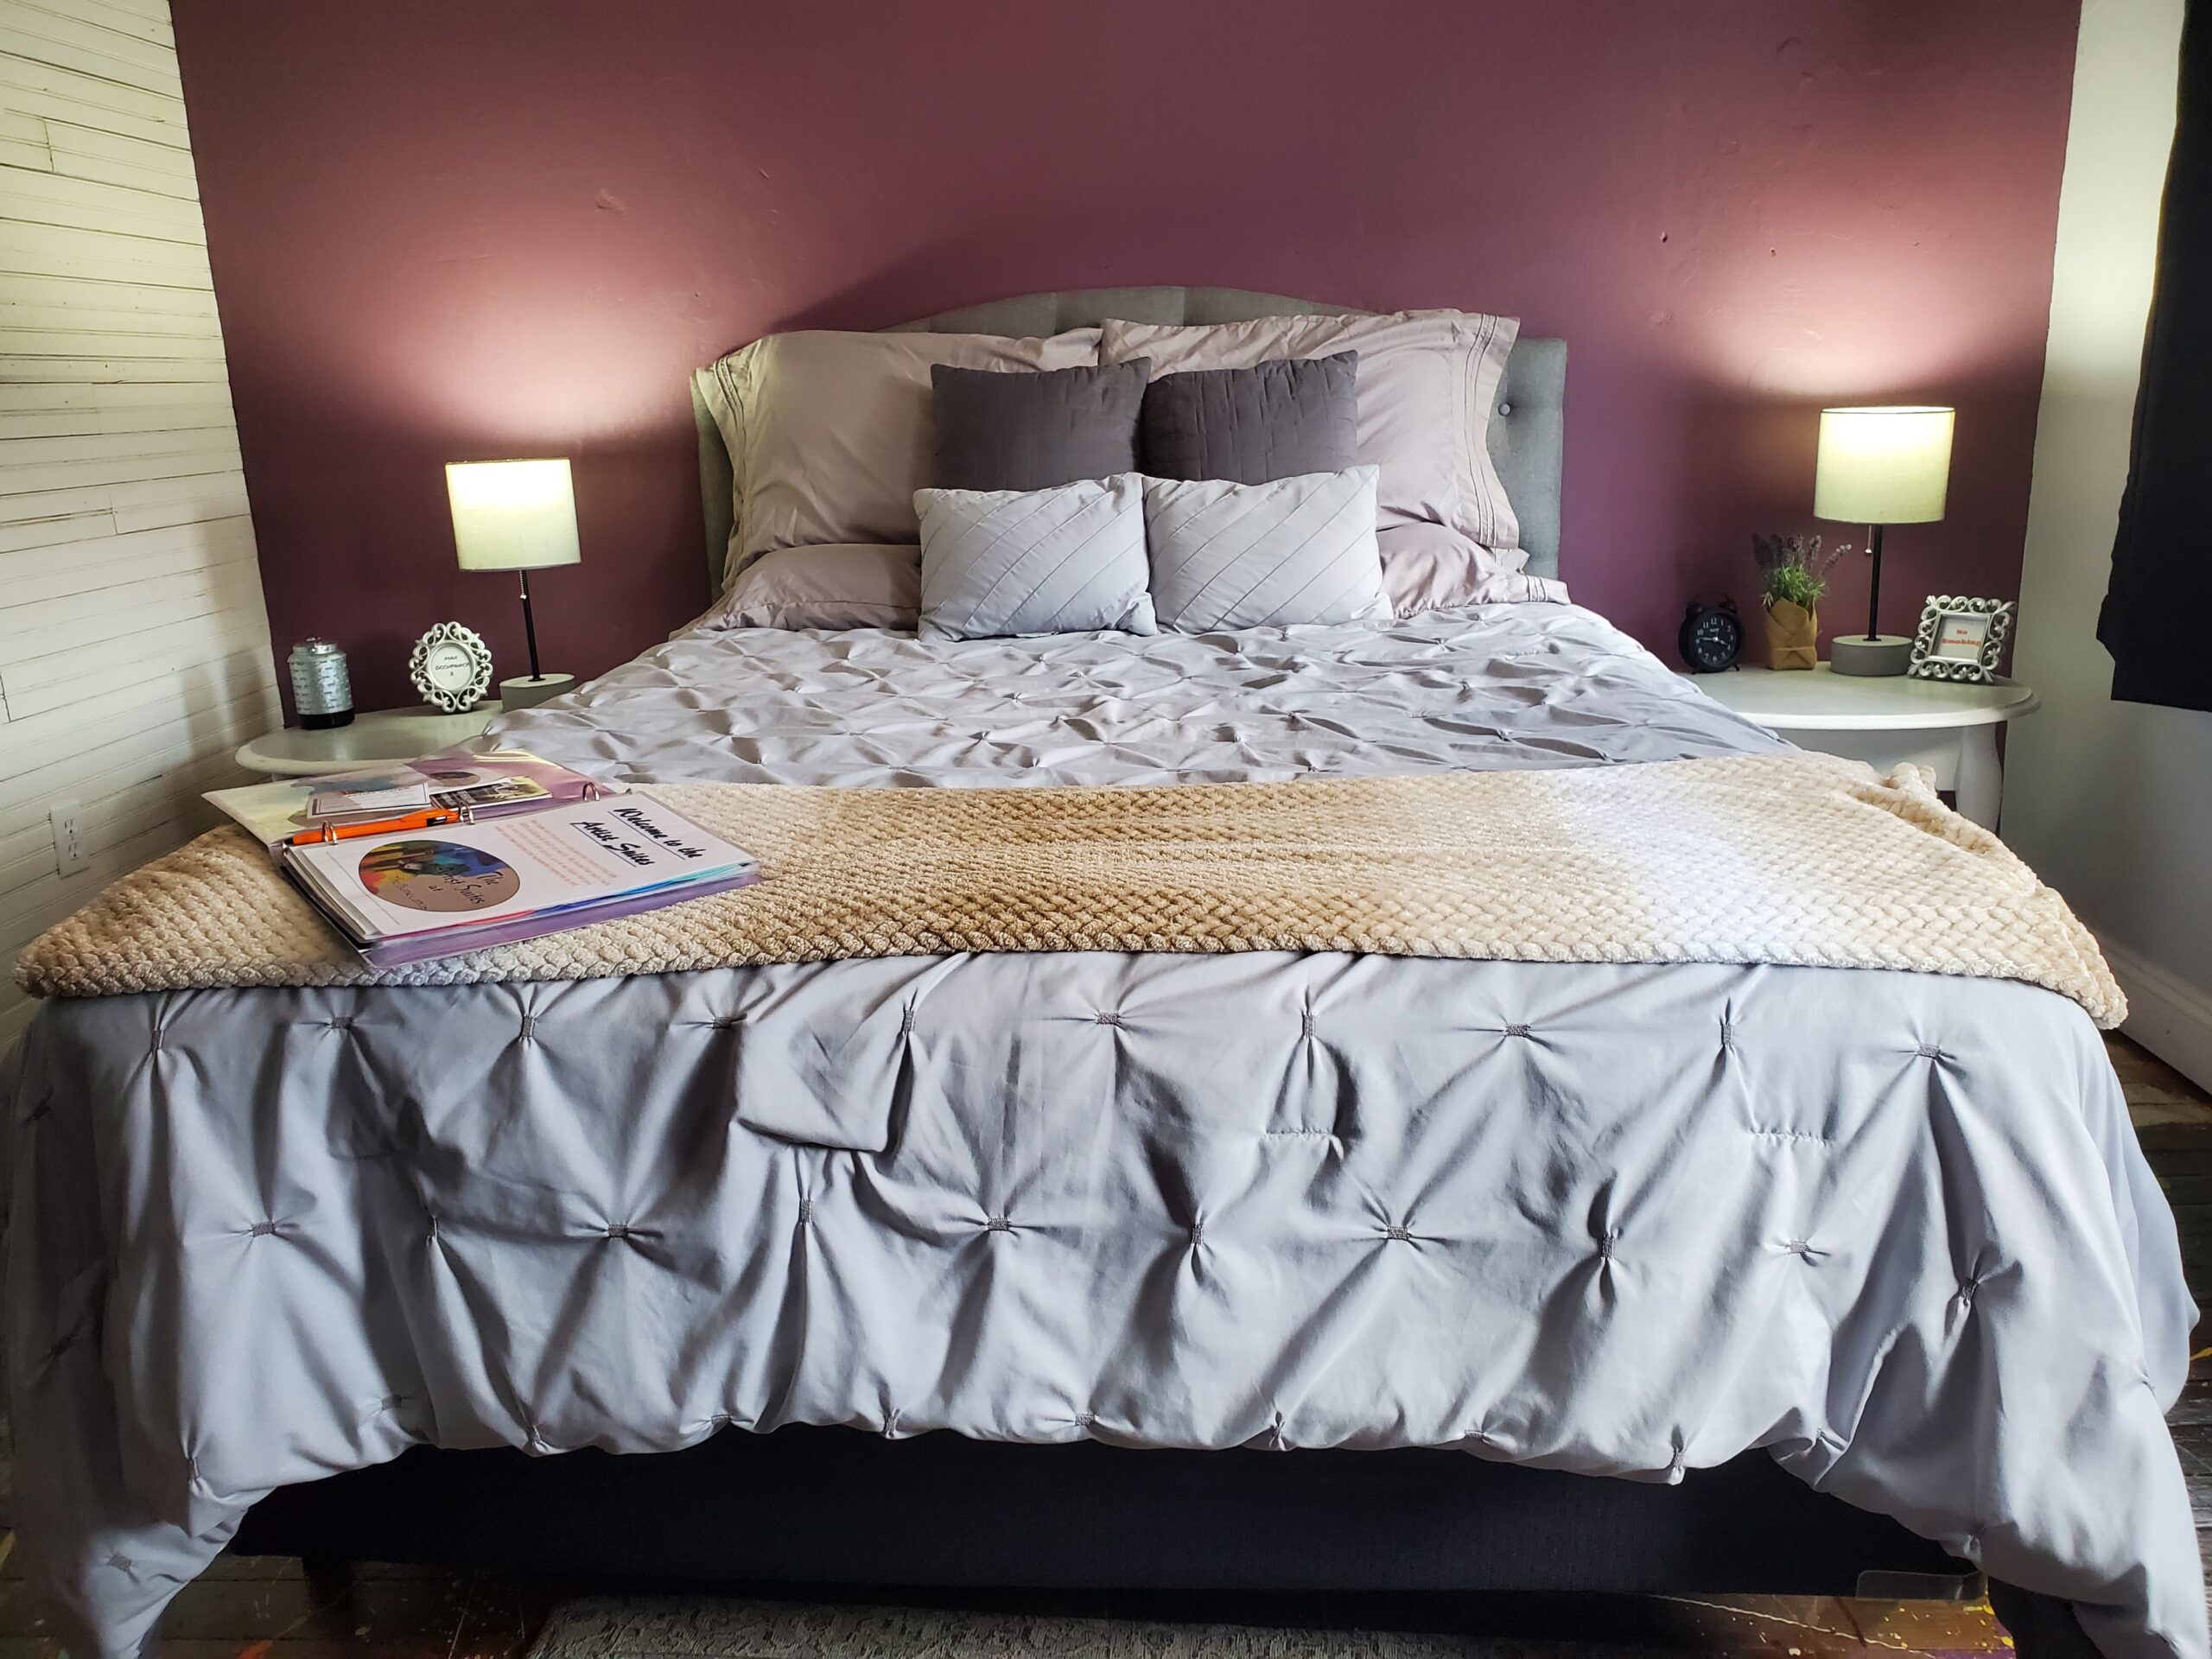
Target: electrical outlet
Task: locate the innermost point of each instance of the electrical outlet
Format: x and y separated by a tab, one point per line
68	836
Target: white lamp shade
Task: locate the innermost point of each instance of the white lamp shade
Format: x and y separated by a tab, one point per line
512	515
1883	465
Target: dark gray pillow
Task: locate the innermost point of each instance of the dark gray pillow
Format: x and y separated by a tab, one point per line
1279	419
1017	430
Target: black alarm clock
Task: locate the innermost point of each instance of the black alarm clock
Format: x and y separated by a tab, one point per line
1713	634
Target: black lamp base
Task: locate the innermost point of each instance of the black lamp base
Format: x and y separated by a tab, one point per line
1873	655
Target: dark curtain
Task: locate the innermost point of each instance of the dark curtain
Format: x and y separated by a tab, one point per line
2158	607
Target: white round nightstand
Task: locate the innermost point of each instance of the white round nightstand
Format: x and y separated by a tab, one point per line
1938	723
372	740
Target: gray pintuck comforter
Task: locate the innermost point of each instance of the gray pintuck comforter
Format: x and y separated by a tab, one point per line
1893	1228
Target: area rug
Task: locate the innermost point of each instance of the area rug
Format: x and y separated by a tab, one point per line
706	1627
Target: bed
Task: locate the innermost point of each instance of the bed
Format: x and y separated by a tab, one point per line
1037	1263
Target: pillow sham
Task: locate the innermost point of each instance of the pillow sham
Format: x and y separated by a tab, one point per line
1279	419
1429	381
1066	560
1426	567
841	586
1255	555
829	432
998	429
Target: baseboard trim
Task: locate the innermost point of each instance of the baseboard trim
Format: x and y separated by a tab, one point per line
2167	1015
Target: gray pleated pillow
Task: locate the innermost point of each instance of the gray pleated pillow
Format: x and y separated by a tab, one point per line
1256	555
1066	560
1278	419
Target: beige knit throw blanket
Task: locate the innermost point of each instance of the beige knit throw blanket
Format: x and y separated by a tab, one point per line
1795	859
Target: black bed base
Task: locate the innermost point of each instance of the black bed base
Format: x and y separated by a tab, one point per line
834	1507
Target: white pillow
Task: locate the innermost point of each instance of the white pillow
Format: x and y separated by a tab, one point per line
830	435
1428	383
1066	560
1254	556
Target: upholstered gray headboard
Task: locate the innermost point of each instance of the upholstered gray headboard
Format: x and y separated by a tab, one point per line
1527	431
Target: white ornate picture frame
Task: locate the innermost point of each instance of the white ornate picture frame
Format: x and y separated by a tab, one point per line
1961	639
445	640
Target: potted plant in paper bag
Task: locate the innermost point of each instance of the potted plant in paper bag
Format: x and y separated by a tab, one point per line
1792	577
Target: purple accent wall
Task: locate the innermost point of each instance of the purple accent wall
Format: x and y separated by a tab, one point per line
512	227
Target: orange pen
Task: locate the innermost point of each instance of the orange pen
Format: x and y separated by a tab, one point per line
423	820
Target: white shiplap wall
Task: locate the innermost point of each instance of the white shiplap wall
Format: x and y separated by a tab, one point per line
134	648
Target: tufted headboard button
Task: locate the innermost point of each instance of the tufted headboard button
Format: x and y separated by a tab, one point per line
1505	408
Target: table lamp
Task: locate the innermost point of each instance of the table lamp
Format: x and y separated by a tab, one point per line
1878	466
519	516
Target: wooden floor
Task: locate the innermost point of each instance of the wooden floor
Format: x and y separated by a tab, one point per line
245	1608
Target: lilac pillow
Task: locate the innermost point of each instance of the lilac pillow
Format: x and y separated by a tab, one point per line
1426	567
1429	381
849	585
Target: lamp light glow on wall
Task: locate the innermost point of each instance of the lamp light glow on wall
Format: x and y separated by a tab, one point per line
519	515
1879	466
